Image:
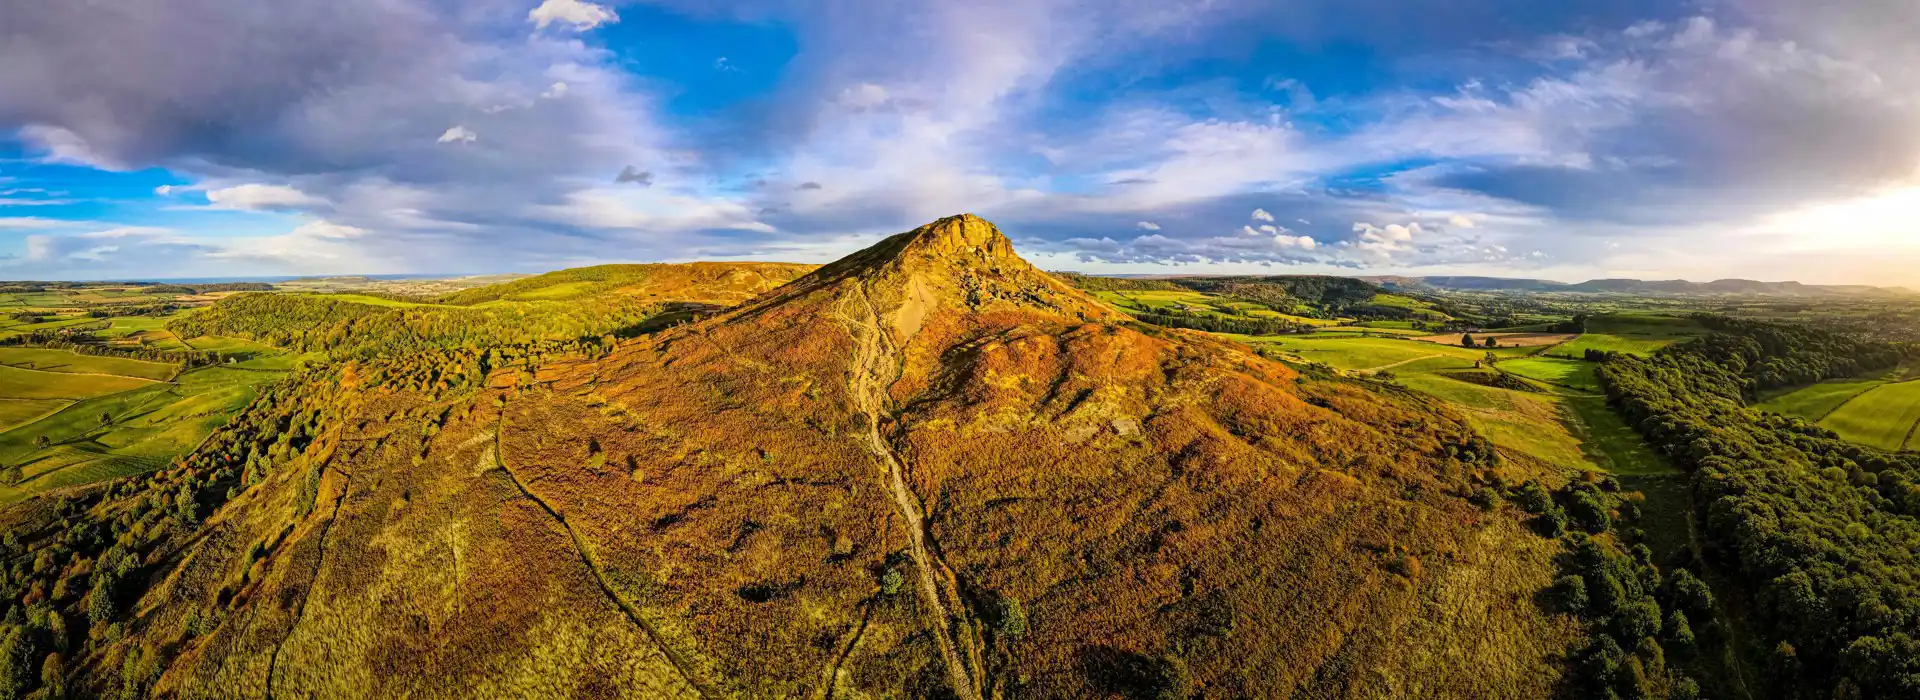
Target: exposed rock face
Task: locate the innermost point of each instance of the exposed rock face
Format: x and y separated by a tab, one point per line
926	470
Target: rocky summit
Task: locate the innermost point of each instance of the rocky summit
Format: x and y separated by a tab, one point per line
926	470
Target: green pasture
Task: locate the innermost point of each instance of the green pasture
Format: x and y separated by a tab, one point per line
142	430
1882	417
47	360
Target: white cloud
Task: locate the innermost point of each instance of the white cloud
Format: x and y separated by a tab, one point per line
256	197
863	96
62	145
35	222
459	134
1301	242
1147	226
1385	241
1262	215
652	211
577	15
1461	220
555	91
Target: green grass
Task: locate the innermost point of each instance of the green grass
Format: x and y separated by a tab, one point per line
231	345
62	361
370	300
17	412
1629	345
1574	374
29	384
124	326
564	290
1632	334
1880	417
1817	401
148	427
1531	424
1609	441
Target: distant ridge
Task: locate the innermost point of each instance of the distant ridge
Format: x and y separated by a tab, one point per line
1732	287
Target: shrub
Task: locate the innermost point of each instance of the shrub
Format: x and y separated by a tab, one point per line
1010	618
1637	620
1678	632
1585	510
1570	594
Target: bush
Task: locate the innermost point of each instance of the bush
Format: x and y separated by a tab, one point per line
1570	594
1010	618
1678	632
19	660
1585	510
1637	620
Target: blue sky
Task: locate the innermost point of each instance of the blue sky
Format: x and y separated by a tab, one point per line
1569	140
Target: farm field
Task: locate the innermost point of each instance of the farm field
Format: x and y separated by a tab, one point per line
1573	374
1633	334
68	418
18	412
1882	417
47	360
1575	431
1521	340
16	383
146	427
1352	352
1817	401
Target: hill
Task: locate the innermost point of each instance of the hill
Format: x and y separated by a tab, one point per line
926	470
1658	287
719	283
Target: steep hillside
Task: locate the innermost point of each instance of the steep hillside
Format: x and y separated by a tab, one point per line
926	470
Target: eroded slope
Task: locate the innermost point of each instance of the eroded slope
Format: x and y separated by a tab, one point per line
928	470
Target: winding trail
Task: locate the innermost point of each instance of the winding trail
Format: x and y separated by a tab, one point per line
1382	368
319	565
868	377
581	547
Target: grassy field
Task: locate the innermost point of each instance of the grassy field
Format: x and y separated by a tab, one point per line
1609	441
17	412
1633	334
147	427
1353	352
1573	374
18	383
1816	402
1564	429
62	361
1515	421
1882	417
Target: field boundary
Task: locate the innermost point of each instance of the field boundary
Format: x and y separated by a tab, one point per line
90	374
1843	404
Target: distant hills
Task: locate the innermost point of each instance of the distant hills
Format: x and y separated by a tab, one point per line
1634	286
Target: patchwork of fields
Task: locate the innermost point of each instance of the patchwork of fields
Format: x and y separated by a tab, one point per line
1881	412
68	419
1555	417
1633	334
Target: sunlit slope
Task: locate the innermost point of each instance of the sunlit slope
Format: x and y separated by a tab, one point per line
927	470
717	283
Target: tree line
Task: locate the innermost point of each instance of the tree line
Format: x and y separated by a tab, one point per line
1820	536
